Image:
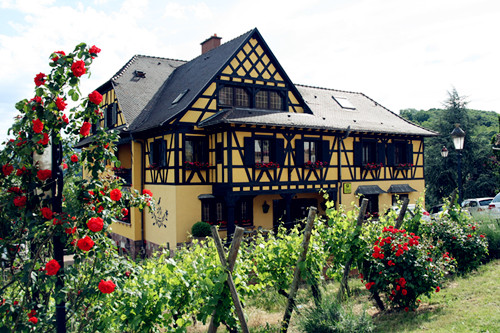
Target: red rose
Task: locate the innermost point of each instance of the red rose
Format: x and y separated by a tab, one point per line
74	158
20	201
94	50
47	213
19	172
45	140
65	119
85	129
64	166
70	231
438	289
57	53
147	192
60	103
115	194
95	97
85	243
78	68
124	211
52	267
7	169
37	126
95	224
44	174
106	287
33	320
404	292
39	79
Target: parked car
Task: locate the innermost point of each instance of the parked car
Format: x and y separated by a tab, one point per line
477	206
436	211
494	207
411	209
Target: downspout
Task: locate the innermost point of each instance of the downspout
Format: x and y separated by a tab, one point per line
143	241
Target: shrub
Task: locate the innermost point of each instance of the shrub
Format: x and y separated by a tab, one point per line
201	229
491	229
403	267
331	316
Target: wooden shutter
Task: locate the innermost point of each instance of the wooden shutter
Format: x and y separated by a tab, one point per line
325	151
299	153
279	151
380	157
358	153
409	153
114	114
152	156
391	161
219	153
163	153
249	152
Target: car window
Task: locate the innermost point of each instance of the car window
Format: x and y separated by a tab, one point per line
473	204
497	198
484	202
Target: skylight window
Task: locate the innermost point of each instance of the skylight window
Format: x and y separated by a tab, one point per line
180	96
344	103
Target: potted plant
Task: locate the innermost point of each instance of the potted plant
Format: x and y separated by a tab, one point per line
200	230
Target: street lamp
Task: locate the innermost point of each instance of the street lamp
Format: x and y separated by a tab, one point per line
458	136
444	152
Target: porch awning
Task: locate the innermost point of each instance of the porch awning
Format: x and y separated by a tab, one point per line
400	188
369	189
206	196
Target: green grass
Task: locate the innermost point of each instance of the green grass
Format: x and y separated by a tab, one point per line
469	303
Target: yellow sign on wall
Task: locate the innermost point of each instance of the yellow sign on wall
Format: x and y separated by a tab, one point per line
347	188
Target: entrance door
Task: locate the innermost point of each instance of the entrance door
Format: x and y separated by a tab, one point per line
299	211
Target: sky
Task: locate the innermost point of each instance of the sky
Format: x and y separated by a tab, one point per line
401	53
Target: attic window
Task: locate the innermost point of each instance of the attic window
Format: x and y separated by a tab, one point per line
140	74
180	96
344	103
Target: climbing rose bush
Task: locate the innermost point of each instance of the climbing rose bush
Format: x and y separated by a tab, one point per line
403	266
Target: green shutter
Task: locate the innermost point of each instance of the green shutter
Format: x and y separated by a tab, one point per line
163	153
279	152
358	153
299	153
381	153
409	153
249	149
325	151
391	161
151	153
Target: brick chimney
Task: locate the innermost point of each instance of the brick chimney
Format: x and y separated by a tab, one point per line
210	44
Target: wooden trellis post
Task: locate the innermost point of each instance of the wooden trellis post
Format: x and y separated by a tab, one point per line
229	266
402	213
344	287
296	275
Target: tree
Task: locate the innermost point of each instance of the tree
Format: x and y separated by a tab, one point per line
34	223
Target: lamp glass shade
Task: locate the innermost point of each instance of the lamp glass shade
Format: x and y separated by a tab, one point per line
458	136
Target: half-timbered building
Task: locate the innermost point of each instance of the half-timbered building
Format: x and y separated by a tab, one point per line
229	139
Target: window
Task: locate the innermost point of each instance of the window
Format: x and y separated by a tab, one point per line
111	116
398	197
234	96
369	152
311	151
196	150
262	151
268	99
158	153
400	153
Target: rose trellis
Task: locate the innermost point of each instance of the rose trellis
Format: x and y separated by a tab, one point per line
38	223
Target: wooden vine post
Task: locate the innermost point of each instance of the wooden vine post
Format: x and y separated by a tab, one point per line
402	212
344	287
296	275
229	266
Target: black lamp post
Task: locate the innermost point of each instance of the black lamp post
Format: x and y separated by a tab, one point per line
458	136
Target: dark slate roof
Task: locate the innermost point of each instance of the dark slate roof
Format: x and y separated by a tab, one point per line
369	189
401	188
194	76
365	116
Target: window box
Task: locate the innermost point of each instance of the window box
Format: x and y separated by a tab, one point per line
315	165
403	166
373	166
196	165
269	165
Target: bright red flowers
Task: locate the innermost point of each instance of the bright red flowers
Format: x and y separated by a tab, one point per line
95	97
45	140
37	126
52	267
57	54
369	285
44	174
124	211
95	224
60	103
147	192
74	158
20	201
94	50
106	287
115	194
85	129
438	289
7	169
85	244
47	213
33	320
78	68
39	79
